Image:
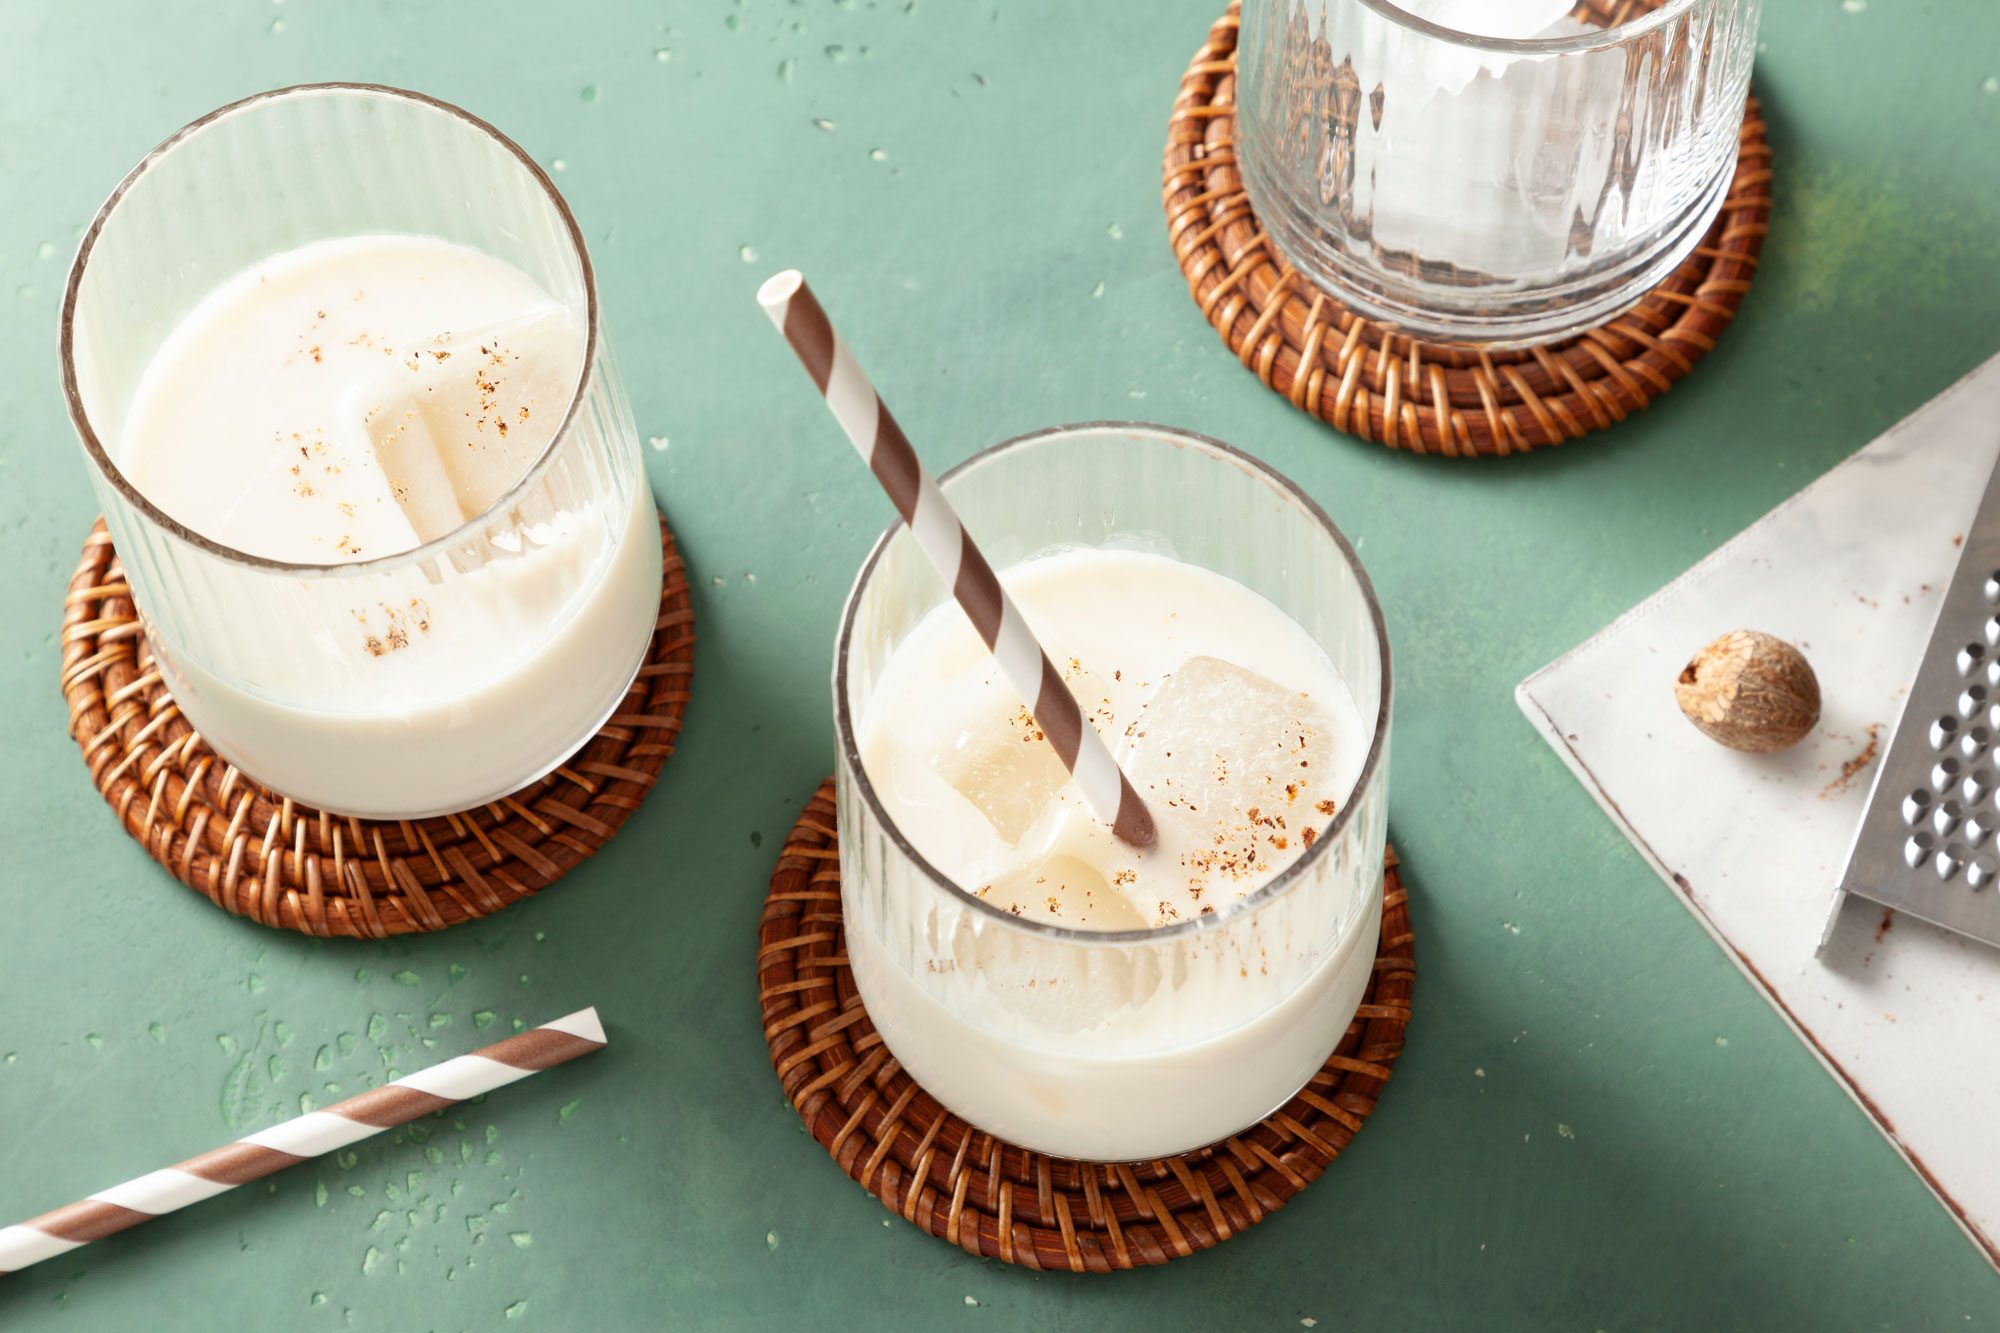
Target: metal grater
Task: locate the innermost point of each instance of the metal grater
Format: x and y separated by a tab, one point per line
1927	843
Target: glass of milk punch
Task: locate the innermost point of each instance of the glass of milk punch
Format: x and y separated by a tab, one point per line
334	359
1051	984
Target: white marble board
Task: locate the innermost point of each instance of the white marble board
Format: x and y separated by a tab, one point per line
1905	1016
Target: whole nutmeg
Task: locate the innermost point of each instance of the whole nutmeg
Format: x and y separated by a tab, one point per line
1750	691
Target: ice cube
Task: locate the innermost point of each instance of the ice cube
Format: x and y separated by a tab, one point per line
464	416
1417	66
1242	765
1064	891
1006	767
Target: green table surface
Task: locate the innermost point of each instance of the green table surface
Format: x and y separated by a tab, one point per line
1597	1123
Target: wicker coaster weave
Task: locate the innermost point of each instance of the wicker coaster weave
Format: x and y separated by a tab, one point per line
1427	397
260	855
998	1201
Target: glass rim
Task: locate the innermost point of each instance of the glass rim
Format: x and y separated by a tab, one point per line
845	732
100	457
1595	39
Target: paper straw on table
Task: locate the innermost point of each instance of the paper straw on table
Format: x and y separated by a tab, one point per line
310	1135
945	542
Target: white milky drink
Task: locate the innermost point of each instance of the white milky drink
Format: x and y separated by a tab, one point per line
1243	738
352	399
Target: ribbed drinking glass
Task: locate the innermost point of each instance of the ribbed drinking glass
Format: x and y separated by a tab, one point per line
1117	1045
1501	172
562	572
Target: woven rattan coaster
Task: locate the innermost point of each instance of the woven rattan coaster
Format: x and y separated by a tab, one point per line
262	856
1426	397
998	1201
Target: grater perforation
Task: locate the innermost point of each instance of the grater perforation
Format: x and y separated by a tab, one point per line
1926	842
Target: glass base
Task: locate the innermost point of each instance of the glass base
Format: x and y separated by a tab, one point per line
179	688
1461	312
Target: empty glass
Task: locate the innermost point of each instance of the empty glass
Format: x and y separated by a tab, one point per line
1495	171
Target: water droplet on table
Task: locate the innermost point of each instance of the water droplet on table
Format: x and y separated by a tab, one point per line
236	1093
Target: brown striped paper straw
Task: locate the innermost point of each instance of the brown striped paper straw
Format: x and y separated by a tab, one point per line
310	1135
950	549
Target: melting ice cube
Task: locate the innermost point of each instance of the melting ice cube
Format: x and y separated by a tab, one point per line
1064	891
1241	764
1006	767
464	416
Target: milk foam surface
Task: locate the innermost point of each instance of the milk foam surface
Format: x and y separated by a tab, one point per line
252	424
1234	726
